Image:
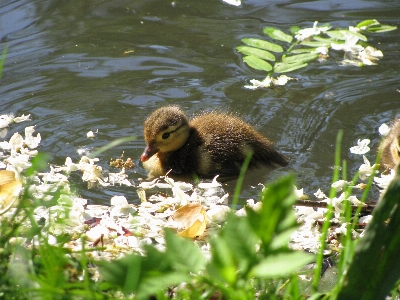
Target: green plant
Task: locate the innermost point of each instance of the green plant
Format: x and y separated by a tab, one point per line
248	254
306	45
35	263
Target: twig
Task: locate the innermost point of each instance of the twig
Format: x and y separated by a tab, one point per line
312	203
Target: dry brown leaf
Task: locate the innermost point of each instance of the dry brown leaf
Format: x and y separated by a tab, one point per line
9	190
192	220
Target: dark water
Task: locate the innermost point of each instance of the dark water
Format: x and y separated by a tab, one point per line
66	65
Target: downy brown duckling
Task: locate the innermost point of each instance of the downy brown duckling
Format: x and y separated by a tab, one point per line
208	145
390	147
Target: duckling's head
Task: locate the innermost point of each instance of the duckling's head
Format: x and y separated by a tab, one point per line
165	130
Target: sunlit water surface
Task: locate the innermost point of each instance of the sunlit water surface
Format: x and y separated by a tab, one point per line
77	66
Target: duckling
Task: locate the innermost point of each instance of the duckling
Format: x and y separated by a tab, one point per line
390	147
208	145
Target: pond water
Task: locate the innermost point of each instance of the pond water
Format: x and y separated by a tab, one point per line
77	66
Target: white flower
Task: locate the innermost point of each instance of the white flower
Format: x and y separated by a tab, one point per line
53	177
91	172
365	219
5	145
350	45
5	120
369	55
18	162
365	169
16	141
149	185
218	213
320	194
22	118
259	84
121	178
119	200
184	186
95	233
305	33
384	180
31	141
177	192
384	129
361	148
208	185
322	50
233	2
90	135
281	80
268	81
70	166
354	29
355	201
298	192
371	51
340	185
120	207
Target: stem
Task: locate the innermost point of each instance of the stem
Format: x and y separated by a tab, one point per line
328	216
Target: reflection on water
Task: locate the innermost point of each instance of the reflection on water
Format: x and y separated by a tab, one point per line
86	65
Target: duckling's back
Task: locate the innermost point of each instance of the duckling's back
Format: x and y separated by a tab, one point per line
221	142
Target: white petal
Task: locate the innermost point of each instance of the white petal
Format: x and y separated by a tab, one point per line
319	194
361	148
22	118
207	185
233	2
5	120
384	129
119	200
90	135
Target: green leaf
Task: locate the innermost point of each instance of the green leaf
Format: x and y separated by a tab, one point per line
337	34
257	63
262	44
381	28
241	240
282	239
222	265
322	39
182	253
367	23
302	50
283	67
375	26
282	264
294	29
256	52
277	200
154	284
124	273
315	44
379	246
300	58
343	33
356	34
277	34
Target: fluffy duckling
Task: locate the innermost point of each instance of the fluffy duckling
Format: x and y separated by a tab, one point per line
210	144
390	147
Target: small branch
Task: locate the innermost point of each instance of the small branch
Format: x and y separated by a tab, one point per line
312	203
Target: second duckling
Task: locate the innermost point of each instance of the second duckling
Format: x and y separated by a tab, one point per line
390	146
210	144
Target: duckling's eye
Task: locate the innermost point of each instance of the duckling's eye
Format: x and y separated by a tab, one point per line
165	135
